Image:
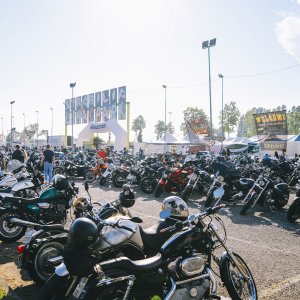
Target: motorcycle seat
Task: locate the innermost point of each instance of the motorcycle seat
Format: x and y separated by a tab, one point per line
47	227
153	239
20	200
246	181
125	263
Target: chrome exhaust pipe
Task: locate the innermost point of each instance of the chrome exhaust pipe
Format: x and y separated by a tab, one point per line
24	223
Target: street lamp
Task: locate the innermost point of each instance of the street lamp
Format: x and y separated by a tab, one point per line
2	130
222	77
24	128
165	87
11	131
72	85
51	126
207	45
37	129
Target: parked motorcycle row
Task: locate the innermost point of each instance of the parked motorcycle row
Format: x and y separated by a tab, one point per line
106	254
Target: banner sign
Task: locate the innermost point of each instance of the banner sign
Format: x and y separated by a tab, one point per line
122	103
97	107
113	103
271	128
197	126
91	108
78	111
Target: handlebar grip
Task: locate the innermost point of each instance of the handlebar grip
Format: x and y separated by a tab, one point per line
167	229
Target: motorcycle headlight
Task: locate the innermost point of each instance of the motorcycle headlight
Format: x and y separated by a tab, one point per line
262	183
220	178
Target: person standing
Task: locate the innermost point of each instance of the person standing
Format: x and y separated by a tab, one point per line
48	159
2	161
18	154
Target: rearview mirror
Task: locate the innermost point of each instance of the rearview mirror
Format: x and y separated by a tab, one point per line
218	193
86	186
136	220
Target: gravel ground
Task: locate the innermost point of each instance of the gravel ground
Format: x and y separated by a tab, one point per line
268	243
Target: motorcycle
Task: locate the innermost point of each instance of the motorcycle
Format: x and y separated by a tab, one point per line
42	243
92	174
149	179
50	207
266	190
69	168
182	269
293	213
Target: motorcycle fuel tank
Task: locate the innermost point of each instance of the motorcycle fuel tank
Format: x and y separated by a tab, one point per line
51	193
22	185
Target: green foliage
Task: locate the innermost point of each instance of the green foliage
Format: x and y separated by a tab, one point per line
193	114
293	120
138	124
170	127
159	129
231	117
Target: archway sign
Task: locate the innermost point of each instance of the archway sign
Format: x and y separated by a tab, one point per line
102	127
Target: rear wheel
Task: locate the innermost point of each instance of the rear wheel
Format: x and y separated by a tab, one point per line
147	185
158	190
39	268
90	176
237	286
294	211
10	232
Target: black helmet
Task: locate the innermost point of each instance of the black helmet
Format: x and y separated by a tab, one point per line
83	232
60	182
127	197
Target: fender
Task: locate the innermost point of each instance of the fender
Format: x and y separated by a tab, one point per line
61	270
281	187
163	182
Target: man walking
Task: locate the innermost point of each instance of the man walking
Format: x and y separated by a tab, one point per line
48	160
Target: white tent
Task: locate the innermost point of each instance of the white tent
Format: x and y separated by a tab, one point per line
109	126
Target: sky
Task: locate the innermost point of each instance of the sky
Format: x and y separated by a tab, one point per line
46	45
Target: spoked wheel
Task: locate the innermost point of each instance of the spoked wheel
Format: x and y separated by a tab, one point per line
238	287
10	232
119	180
147	185
90	176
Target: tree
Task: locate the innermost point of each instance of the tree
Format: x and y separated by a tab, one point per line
293	120
242	126
159	129
97	141
231	116
194	114
170	127
138	124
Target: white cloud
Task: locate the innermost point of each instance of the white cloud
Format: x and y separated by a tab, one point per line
288	34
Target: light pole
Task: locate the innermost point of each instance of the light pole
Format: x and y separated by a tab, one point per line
207	45
170	116
72	85
11	118
51	126
37	129
24	128
165	87
2	130
222	78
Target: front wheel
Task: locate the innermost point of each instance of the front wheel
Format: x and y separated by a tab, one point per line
248	204
147	185
90	176
294	211
10	232
210	198
119	180
187	192
238	287
158	190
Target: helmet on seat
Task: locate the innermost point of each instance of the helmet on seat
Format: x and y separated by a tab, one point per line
83	232
177	207
127	197
60	182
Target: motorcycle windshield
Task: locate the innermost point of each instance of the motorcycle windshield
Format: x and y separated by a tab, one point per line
13	165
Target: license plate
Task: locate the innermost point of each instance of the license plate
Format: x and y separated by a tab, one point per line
28	235
80	287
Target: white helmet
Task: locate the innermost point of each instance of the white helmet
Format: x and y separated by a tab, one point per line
177	207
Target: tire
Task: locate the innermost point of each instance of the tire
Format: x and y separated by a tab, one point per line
89	176
38	267
158	190
55	288
147	185
248	204
186	193
281	204
8	232
294	211
57	171
119	180
210	198
233	281
102	181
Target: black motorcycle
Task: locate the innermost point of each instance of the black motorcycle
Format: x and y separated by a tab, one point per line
149	179
293	213
182	269
71	169
50	207
266	190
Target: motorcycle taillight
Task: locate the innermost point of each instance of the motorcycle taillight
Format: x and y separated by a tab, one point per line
21	248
